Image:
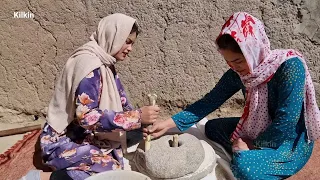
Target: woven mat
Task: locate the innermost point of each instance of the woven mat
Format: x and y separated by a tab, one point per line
22	157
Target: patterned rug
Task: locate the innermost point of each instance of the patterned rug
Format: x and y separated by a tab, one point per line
22	157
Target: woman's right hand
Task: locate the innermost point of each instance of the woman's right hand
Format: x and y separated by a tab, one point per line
159	128
149	114
239	145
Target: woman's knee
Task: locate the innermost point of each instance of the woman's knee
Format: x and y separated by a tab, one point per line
208	129
241	170
246	165
211	129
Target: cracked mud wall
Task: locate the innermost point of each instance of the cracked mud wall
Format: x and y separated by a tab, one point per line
174	56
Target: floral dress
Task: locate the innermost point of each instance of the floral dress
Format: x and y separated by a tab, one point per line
76	149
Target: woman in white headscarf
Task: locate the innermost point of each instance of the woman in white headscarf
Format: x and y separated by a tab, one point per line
88	98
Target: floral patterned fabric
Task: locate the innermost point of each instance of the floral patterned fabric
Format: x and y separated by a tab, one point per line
76	149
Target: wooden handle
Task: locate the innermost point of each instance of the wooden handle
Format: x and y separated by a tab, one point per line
152	102
175	142
19	130
147	144
152	99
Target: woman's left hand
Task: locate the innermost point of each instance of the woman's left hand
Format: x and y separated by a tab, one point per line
239	145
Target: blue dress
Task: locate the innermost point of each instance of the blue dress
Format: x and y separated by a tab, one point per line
282	149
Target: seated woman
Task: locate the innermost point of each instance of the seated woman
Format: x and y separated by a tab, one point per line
274	137
89	97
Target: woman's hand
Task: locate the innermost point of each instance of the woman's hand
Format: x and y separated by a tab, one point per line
149	114
240	145
159	128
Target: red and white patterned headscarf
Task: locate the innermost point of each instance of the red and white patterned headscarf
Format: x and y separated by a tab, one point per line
263	62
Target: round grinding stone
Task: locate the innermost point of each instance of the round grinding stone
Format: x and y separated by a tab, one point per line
165	162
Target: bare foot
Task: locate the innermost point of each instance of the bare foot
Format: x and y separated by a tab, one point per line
45	175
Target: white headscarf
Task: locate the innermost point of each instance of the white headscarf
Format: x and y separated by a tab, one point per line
108	39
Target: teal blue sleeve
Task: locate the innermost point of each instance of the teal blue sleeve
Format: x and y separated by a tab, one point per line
290	92
227	86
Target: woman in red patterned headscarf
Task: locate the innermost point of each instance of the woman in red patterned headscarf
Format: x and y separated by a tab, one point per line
274	137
